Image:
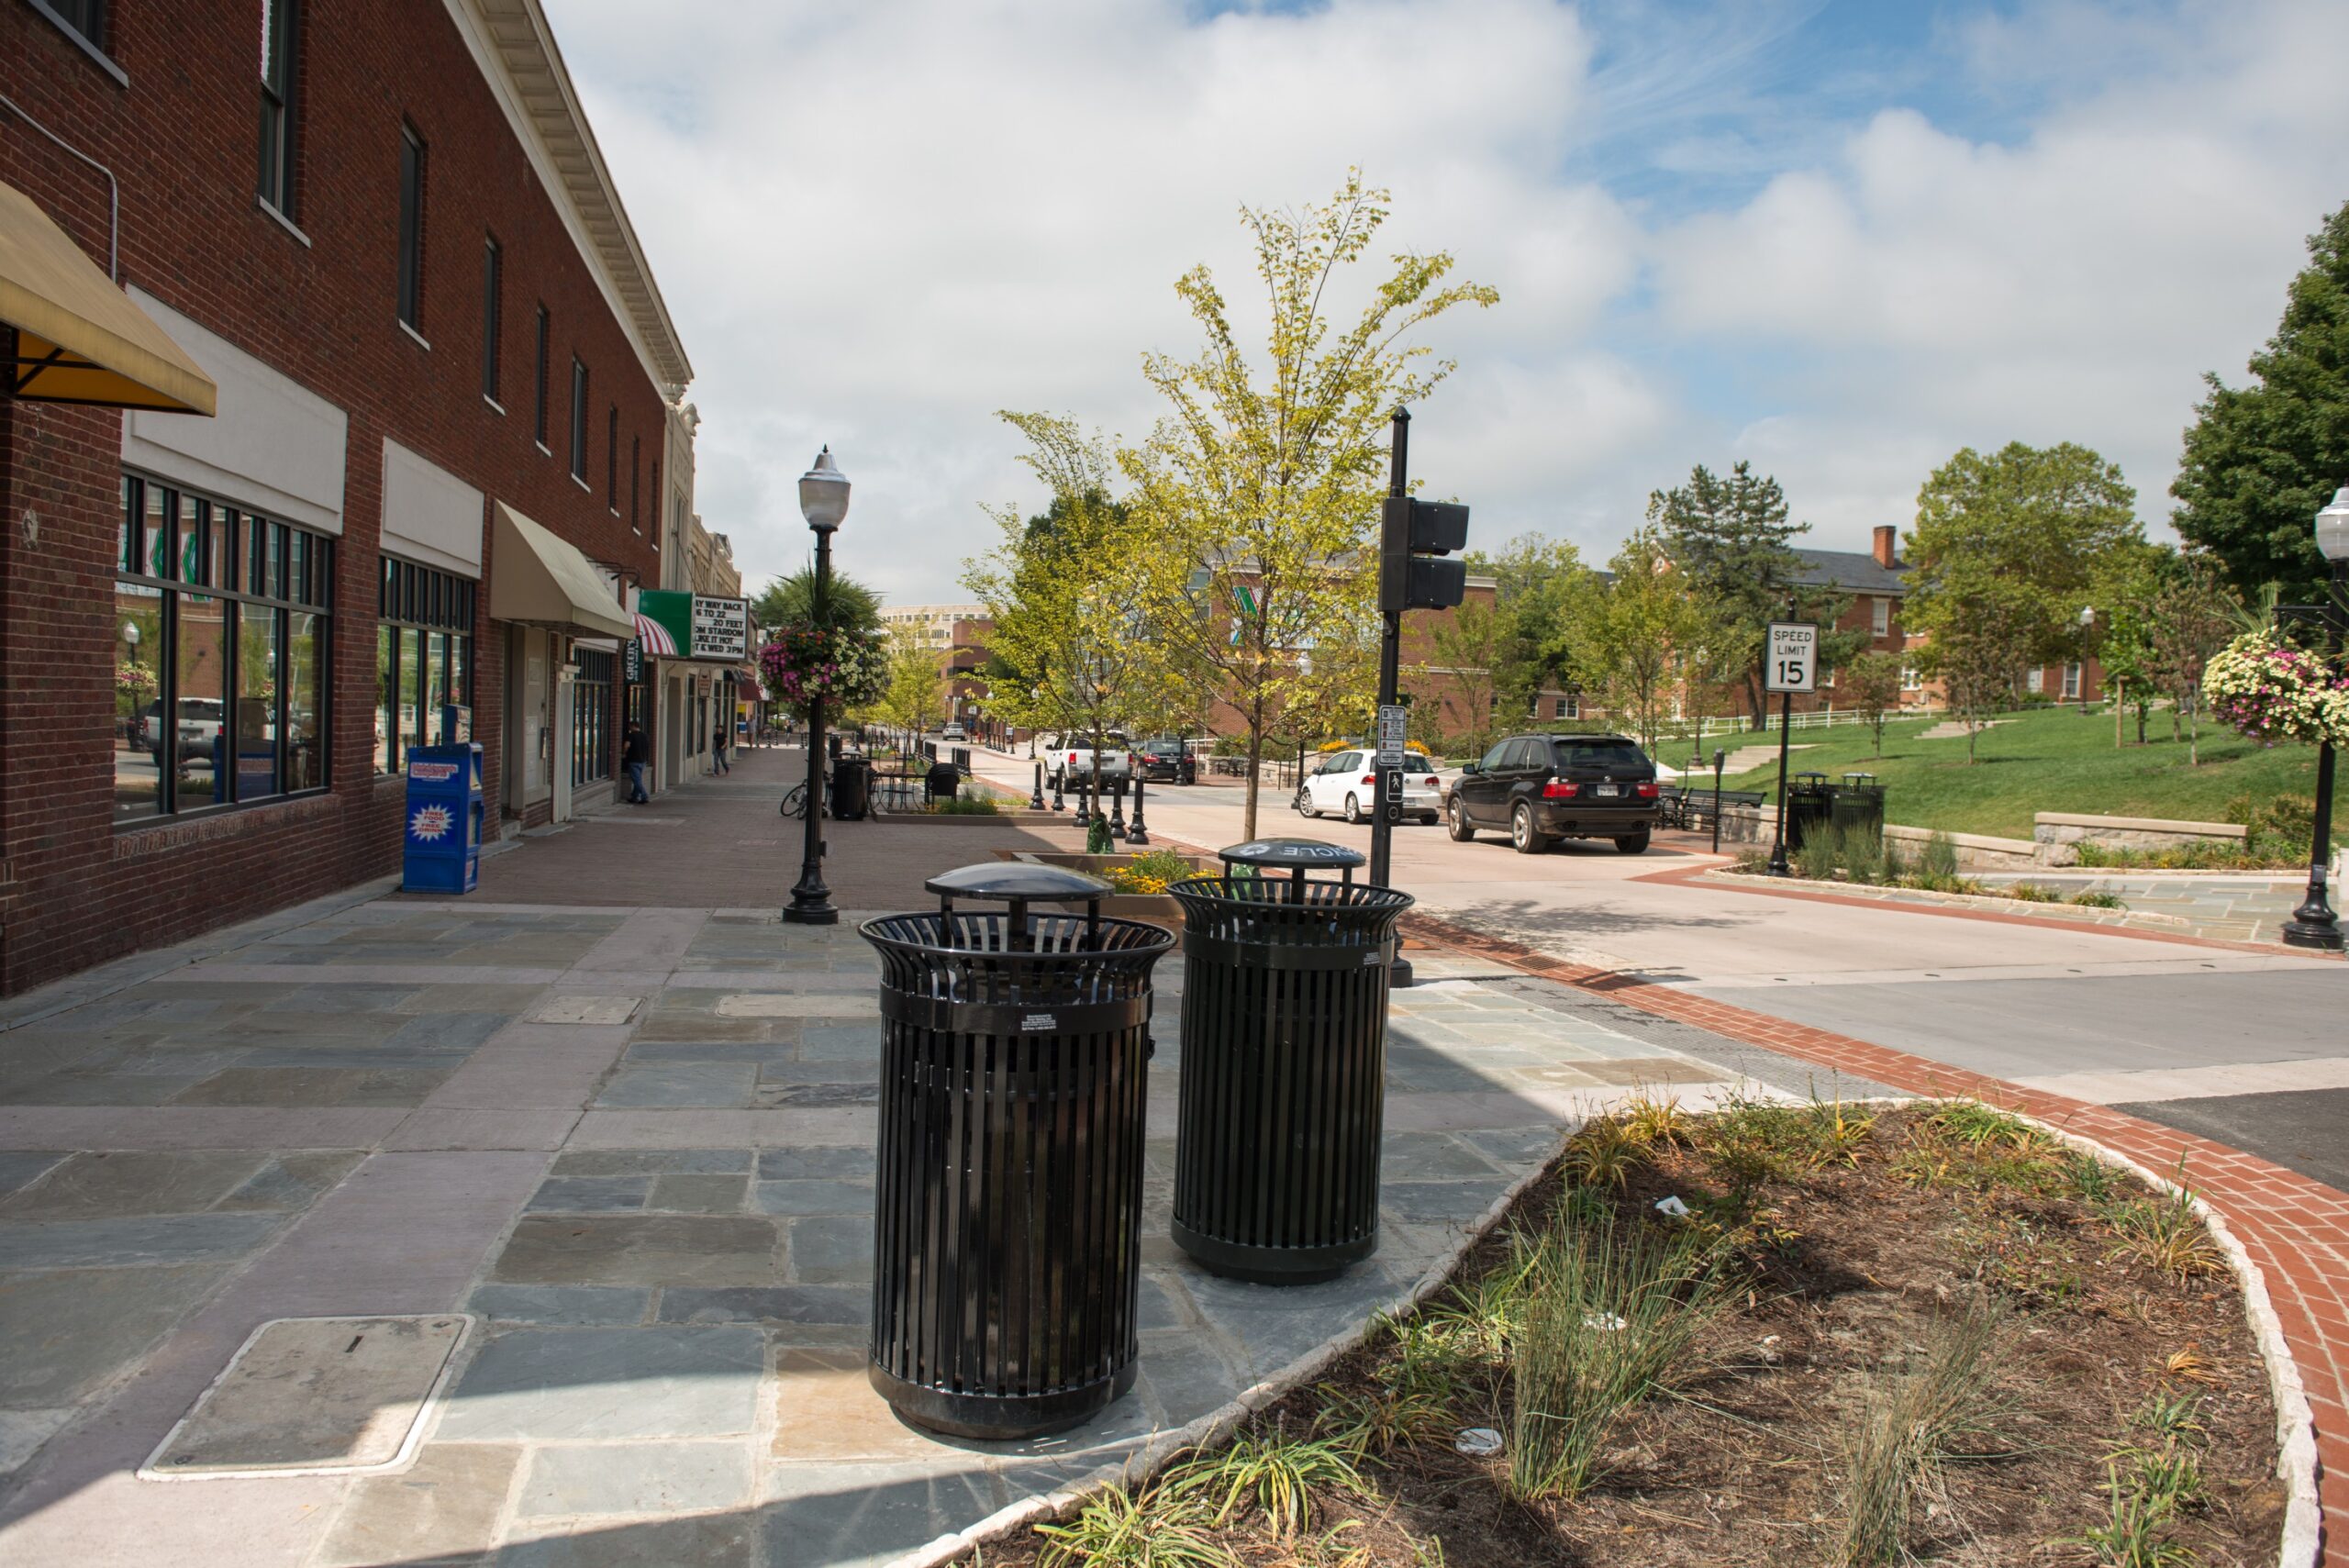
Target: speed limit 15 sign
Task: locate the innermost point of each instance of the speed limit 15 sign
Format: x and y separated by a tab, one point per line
1792	664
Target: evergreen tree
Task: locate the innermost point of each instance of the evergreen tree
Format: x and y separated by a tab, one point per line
1729	538
2260	460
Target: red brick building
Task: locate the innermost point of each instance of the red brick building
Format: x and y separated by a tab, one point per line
384	231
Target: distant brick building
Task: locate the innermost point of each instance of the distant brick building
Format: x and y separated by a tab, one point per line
446	389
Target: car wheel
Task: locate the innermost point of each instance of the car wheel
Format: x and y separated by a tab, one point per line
1304	804
1353	809
1522	835
1635	843
1456	823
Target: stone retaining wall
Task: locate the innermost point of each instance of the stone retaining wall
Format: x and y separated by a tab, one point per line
2060	834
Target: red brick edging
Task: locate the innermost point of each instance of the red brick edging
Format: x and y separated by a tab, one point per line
2295	1230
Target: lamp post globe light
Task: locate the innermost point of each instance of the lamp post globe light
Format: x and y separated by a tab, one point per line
823	501
2313	924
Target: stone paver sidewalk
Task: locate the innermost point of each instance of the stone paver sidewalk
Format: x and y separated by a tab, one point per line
638	1144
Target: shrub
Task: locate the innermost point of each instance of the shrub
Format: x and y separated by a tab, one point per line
2032	893
1946	1409
1153	870
967	805
2094	900
1937	863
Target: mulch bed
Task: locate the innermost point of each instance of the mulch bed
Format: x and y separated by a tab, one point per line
1851	1246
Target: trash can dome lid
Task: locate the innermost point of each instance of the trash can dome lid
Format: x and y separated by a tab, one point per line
1017	879
1292	853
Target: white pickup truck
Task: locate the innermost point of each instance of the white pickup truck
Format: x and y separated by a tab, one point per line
1073	762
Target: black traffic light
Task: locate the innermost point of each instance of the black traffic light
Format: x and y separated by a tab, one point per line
1414	536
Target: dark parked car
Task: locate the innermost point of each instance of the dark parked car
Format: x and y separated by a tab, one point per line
1167	761
1544	787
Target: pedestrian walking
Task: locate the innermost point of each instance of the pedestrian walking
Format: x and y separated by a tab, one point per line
636	751
720	738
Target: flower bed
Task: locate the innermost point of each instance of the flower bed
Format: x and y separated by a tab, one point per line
1799	1334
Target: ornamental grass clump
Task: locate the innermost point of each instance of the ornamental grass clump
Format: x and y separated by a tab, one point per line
2268	690
1611	1313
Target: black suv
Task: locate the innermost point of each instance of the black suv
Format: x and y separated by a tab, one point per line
1542	787
1167	761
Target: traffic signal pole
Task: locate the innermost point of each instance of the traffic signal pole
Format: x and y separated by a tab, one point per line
1390	674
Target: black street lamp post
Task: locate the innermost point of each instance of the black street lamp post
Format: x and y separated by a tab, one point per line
823	501
2313	924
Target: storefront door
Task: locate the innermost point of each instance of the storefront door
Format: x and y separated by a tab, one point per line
528	683
560	777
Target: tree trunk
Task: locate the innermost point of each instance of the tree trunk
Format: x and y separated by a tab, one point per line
1255	761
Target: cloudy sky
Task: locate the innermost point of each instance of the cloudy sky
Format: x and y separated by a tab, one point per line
1840	240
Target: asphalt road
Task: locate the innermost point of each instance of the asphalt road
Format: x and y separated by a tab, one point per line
2198	1037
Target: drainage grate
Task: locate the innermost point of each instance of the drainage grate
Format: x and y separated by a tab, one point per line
316	1396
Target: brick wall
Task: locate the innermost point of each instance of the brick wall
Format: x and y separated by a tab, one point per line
181	138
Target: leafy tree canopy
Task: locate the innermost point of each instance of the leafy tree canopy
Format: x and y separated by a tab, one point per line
2260	460
848	603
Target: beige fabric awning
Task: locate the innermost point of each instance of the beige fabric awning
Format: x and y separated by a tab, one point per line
80	338
536	579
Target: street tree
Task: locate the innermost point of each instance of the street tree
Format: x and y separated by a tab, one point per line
1730	536
2121	634
1065	590
1637	637
2006	553
1471	646
2193	615
2260	460
1260	489
1973	649
915	689
1536	583
1871	684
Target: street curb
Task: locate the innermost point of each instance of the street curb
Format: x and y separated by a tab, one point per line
1991	902
1155	1451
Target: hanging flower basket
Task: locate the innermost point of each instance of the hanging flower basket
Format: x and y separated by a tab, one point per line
806	661
2270	691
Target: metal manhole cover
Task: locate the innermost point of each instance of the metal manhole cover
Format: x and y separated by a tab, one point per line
316	1396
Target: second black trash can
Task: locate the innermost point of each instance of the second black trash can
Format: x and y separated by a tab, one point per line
1284	1066
1008	1214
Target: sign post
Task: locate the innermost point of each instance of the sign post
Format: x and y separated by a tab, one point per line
1790	664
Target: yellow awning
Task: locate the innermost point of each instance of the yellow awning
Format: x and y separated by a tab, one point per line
536	579
80	338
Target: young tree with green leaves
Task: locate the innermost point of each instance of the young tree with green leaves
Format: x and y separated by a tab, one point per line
2121	634
2260	460
2007	550
1260	492
2193	615
916	692
1636	636
1536	584
1471	646
1871	684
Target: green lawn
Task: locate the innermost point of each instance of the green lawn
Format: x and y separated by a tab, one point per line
2053	760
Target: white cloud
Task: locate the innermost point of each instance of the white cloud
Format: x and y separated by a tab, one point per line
877	224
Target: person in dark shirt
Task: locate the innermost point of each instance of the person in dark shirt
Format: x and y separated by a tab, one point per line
636	751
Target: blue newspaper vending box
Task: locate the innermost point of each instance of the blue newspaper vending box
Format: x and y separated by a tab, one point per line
442	835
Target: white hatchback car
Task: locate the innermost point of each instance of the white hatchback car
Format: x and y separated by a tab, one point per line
1345	783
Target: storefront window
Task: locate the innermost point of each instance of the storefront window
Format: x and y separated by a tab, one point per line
139	652
424	656
306	701
202	655
590	708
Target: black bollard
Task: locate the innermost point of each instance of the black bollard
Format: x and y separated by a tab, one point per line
1036	798
1118	809
1084	804
1137	835
1058	804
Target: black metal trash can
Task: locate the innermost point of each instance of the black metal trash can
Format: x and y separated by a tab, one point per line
942	780
852	794
1284	1073
1809	805
1007	1219
1856	805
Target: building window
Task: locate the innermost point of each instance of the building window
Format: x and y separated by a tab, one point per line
279	80
636	485
1827	676
591	716
578	421
221	654
1912	679
424	656
2071	683
612	461
493	279
656	506
411	227
539	407
1568	707
85	19
1494	706
2036	681
1880	618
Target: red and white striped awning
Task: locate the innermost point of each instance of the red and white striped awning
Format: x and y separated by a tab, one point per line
655	637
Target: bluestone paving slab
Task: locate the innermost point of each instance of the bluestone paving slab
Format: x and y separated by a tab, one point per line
574	1384
831	1250
570	1306
653	1249
851	1126
703	1540
840	1304
446	1504
431	1128
685	1194
66	1332
812	1196
125	1241
313	1086
20	1167
860	1515
791	1164
587	1195
653	1162
636	1478
99	1186
22	1433
679	1085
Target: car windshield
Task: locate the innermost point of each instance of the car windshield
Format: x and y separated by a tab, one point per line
1600	754
1415	763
